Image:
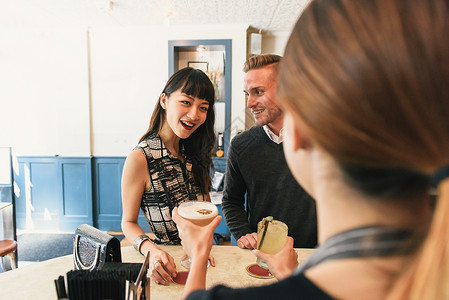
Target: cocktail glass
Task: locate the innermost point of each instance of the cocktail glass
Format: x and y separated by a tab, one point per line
200	213
271	237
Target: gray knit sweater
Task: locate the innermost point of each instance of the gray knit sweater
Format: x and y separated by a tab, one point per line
256	166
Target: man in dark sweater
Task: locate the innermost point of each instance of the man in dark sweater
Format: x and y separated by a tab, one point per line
256	168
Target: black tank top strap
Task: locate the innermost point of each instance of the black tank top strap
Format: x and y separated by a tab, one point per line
369	241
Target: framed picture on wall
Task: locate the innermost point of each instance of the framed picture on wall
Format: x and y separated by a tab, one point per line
201	65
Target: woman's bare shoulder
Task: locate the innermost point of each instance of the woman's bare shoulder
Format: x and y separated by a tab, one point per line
136	162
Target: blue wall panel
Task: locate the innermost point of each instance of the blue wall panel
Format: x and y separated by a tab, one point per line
44	194
54	193
76	182
219	164
74	191
108	199
109	188
108	203
19	190
37	201
222	228
61	193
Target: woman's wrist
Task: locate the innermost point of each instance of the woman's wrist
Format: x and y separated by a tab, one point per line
197	275
139	241
200	258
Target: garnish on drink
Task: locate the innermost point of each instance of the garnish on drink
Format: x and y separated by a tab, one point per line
266	221
271	237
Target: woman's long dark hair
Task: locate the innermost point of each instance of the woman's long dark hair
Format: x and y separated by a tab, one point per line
200	144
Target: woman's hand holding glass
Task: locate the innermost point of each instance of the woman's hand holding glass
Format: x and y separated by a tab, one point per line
197	240
283	263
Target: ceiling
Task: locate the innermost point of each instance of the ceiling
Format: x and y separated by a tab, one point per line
266	15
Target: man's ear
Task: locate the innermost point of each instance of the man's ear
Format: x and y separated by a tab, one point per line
163	101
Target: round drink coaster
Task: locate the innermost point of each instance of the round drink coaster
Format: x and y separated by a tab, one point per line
181	278
256	271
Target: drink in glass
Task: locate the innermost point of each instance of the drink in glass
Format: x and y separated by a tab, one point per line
200	213
271	237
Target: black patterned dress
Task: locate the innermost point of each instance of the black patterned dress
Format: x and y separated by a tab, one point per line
172	183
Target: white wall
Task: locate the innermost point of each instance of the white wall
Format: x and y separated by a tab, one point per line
129	70
44	91
129	67
72	91
49	106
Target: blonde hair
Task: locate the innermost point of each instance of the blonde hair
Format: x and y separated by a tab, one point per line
260	61
370	80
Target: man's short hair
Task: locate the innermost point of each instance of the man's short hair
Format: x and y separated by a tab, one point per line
260	60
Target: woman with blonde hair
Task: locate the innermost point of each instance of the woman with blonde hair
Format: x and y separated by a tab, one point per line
365	89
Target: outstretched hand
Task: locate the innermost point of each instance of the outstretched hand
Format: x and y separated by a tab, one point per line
283	263
196	240
248	241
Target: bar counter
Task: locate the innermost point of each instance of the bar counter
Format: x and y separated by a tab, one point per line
36	281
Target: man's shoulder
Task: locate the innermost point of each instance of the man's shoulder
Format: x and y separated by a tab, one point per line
252	135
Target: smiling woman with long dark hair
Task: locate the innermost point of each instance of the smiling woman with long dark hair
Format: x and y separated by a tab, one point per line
170	165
